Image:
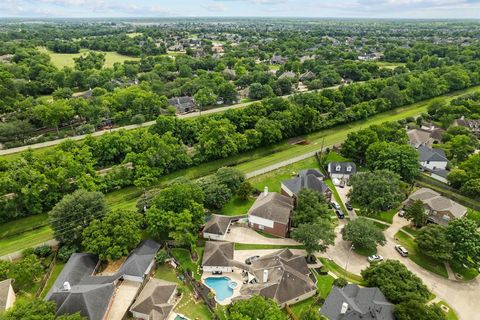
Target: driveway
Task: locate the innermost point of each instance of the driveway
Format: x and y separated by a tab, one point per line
342	192
123	298
242	255
462	296
240	234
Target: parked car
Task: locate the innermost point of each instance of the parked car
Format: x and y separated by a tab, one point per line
348	205
249	260
340	214
334	205
375	258
342	184
403	252
401	213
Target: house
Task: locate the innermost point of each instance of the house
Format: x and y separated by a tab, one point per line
217	227
271	213
278	60
288	75
7	295
183	104
306	179
472	124
424	137
218	256
341	170
309	75
432	158
78	289
353	302
281	276
440	209
155	301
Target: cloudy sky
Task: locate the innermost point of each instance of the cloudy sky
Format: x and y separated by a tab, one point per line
455	9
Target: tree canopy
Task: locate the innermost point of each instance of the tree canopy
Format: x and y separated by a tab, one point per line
363	234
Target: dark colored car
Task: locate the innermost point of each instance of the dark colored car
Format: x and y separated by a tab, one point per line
349	206
249	260
340	214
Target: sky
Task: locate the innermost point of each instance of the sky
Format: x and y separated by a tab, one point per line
415	9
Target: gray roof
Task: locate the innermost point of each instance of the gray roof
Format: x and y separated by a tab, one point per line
272	206
431	154
89	294
342	168
4	291
154	298
218	254
217	224
182	104
437	202
363	303
288	277
306	179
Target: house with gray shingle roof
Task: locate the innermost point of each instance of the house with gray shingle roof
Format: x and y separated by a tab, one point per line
341	170
434	161
354	303
216	228
218	256
271	213
306	179
281	276
440	209
155	301
7	295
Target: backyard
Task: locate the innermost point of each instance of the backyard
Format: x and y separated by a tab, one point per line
324	286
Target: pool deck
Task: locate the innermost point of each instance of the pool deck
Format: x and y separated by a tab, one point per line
235	276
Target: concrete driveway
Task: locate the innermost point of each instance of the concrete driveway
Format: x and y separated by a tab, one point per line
240	234
342	192
123	298
242	255
462	296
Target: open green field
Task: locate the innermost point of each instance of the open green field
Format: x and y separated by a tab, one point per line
61	60
25	240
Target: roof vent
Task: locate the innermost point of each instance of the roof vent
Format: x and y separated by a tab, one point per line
265	191
66	286
265	275
344	308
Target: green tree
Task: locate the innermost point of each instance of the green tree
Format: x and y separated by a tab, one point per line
255	308
230	177
113	236
363	234
245	190
311	314
376	191
36	309
460	147
54	114
205	97
416	213
432	241
465	238
315	236
396	282
357	143
217	194
401	159
311	205
413	309
218	139
74	213
471	188
25	271
270	130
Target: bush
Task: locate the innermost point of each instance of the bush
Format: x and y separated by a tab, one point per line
28	252
43	251
85	129
65	252
340	282
161	257
138	119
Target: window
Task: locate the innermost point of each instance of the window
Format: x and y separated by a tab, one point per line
428	162
261	227
349	168
338	168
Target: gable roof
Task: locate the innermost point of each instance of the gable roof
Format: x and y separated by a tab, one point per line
342	168
217	224
182	103
437	202
5	286
362	303
218	254
288	277
272	206
419	137
306	179
154	298
140	259
431	154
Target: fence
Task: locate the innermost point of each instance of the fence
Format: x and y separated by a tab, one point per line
47	274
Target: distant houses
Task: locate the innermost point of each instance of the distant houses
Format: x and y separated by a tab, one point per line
183	104
472	124
278	60
271	213
440	209
424	136
306	179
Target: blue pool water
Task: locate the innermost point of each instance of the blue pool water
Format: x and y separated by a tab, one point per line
220	286
179	317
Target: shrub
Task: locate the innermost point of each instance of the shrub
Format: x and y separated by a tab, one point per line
138	119
161	257
43	251
65	252
340	282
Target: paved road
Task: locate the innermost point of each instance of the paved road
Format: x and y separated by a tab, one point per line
18	254
143	125
462	296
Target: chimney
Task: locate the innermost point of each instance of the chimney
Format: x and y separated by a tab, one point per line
265	191
66	286
265	275
344	308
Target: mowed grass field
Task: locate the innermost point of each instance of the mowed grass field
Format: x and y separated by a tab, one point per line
61	60
246	162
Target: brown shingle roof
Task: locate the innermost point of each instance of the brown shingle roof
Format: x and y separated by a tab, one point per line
217	224
272	206
218	253
154	299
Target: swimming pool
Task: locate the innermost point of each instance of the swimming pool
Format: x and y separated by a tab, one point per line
221	286
179	317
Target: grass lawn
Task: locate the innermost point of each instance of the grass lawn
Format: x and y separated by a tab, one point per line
53	276
12	228
324	285
365	252
248	246
25	240
413	231
416	256
237	206
333	156
385	216
61	60
340	272
466	273
183	257
450	315
187	306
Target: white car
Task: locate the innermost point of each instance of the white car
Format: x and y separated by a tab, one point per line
375	258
